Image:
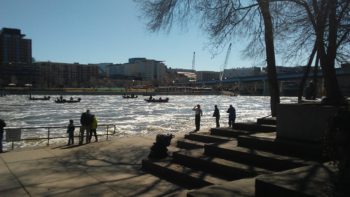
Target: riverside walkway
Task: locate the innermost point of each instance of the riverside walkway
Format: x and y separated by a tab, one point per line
109	168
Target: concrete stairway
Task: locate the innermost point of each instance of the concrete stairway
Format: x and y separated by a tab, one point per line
263	159
228	169
308	151
224	156
182	175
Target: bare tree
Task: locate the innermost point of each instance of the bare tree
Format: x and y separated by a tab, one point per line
321	27
222	20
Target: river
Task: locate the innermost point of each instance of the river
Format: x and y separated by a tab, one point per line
132	116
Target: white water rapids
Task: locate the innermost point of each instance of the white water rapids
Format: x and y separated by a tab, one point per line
131	116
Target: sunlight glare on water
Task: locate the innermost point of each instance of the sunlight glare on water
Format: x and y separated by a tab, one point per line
133	116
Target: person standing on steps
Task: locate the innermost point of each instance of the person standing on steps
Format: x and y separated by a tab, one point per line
216	114
2	125
198	113
231	116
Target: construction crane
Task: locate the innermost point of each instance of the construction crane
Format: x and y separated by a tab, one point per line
194	61
225	63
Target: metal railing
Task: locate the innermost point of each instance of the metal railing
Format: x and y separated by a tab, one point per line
54	132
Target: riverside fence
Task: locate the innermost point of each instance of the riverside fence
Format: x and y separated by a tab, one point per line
16	137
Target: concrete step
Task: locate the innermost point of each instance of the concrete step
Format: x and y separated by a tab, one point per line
254	127
310	181
221	167
181	175
189	144
206	138
253	157
267	121
238	188
229	132
308	151
182	193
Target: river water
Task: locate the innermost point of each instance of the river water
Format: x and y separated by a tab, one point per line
131	116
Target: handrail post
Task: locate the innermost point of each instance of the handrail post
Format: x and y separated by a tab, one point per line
107	131
48	136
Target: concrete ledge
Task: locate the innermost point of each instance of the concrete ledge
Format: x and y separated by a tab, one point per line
239	188
309	151
206	138
262	159
315	181
254	127
225	169
306	122
267	121
181	175
228	132
189	144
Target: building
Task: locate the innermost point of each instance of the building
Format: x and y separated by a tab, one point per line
102	68
207	75
59	75
138	68
18	74
147	70
14	48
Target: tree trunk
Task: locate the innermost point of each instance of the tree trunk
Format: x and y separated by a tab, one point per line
270	56
306	73
315	77
327	59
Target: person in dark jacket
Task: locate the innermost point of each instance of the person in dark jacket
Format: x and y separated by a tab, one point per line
198	113
86	122
70	131
2	125
216	114
231	116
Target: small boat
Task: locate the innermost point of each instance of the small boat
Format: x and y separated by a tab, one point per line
129	96
160	100
45	98
67	101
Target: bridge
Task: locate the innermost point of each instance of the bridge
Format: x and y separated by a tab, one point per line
288	83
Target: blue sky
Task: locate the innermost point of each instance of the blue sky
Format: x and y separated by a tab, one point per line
99	31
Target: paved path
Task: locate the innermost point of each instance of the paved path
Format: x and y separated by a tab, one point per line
110	168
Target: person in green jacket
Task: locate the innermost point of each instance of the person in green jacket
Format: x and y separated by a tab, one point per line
93	128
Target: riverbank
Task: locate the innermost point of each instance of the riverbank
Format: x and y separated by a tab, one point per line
58	92
110	168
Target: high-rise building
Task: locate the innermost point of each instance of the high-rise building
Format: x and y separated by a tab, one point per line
14	48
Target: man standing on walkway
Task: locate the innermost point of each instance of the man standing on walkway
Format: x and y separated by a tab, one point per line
2	125
231	116
93	128
86	122
198	114
216	114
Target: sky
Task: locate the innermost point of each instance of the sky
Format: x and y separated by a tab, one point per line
110	31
